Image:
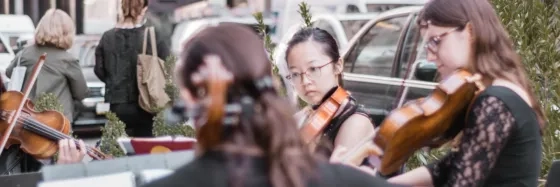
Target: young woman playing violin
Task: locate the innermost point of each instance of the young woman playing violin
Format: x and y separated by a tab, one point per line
14	161
315	67
501	141
246	133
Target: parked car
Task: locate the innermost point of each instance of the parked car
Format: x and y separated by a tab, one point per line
380	68
385	5
15	27
7	54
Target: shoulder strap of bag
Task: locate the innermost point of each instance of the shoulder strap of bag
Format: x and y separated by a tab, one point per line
153	41
19	57
144	43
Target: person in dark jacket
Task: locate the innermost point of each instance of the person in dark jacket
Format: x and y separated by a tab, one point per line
116	58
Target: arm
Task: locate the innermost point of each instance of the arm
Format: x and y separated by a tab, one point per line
76	80
354	130
12	65
99	68
484	137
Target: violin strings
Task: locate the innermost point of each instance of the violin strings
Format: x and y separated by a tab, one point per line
48	131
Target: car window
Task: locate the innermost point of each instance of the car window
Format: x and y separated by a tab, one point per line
374	52
352	9
411	46
383	7
3	47
351	27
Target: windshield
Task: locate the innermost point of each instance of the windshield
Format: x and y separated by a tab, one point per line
351	27
3	48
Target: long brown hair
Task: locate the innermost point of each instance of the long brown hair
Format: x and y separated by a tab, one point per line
495	56
271	128
132	9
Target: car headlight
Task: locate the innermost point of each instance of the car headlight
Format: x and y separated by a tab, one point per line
102	91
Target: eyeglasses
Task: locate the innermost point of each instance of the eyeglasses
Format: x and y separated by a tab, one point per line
433	43
311	73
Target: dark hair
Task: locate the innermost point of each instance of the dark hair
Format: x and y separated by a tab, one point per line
330	47
272	127
495	56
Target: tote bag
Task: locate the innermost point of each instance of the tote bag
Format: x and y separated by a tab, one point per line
18	76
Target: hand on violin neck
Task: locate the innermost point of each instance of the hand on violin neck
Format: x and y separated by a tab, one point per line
69	153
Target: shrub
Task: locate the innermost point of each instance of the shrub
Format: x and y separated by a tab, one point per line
534	28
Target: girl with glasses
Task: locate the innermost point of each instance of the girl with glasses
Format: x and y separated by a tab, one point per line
501	140
315	69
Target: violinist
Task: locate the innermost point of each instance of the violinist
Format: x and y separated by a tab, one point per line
256	140
13	160
501	141
315	68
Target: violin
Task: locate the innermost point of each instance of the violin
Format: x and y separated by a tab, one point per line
417	124
37	133
424	121
318	120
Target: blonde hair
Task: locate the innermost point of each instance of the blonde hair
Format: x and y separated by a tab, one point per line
55	28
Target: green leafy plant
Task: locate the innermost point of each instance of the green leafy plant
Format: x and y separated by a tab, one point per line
110	133
305	13
535	30
160	127
269	47
47	101
170	86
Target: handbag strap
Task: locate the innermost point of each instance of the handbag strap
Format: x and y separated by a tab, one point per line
19	57
152	33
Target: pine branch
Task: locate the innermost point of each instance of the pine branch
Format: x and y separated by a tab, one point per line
110	133
261	27
48	101
269	47
305	13
160	127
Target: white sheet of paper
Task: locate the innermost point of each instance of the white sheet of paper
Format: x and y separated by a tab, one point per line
125	179
102	108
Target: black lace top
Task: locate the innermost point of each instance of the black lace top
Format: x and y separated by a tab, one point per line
501	145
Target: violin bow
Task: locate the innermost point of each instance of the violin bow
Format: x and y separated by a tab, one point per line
409	70
12	120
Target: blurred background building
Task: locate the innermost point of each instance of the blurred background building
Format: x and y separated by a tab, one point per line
96	16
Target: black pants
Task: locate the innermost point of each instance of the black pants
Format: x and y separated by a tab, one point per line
138	122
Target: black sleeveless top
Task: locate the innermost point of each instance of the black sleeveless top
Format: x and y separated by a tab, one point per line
501	144
326	143
325	146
